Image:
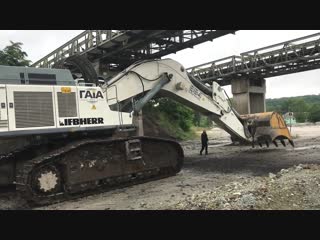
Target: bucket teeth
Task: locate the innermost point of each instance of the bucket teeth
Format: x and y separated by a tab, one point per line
268	126
275	143
291	143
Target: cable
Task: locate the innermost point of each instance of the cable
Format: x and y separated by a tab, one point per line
150	80
141	80
230	103
141	83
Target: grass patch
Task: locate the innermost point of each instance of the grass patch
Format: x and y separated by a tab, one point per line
174	128
171	126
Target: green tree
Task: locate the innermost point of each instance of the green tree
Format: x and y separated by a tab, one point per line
173	111
314	115
177	112
197	119
300	117
299	105
286	106
302	106
205	121
13	55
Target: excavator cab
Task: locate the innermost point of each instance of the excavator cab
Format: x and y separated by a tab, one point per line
268	127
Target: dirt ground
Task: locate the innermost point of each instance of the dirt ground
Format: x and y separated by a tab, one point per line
229	177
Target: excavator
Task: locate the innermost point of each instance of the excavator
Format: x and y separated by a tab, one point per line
61	140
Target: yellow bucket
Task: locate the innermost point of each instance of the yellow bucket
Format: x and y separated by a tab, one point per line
267	127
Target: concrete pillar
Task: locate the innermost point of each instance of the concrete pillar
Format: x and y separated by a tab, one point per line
249	95
138	123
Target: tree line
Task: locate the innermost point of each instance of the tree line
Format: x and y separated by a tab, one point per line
305	108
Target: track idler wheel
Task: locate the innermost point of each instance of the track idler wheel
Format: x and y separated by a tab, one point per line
46	180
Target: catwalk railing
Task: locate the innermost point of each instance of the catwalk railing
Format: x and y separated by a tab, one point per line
292	56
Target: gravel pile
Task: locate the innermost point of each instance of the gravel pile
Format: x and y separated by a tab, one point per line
294	188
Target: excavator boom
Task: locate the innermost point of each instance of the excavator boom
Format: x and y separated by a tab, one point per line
168	78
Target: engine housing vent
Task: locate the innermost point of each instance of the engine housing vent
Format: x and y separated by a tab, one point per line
67	104
33	109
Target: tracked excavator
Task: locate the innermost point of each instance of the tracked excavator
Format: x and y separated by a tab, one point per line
61	140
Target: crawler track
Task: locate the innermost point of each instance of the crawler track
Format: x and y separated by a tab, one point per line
91	166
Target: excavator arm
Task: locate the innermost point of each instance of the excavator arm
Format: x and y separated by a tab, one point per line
131	89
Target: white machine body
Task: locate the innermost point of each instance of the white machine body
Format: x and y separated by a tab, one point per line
36	109
35	102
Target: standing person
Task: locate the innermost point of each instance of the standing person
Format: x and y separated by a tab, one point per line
204	142
252	130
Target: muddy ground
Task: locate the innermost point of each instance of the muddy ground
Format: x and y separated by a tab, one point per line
230	177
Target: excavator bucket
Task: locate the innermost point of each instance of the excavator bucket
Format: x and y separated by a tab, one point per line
268	127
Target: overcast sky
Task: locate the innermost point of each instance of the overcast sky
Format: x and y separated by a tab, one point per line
38	43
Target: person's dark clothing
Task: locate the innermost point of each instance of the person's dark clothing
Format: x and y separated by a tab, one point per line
204	146
252	130
204	142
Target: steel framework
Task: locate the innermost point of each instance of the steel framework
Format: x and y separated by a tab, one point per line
120	48
292	56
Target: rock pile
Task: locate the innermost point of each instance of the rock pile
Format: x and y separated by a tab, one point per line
295	188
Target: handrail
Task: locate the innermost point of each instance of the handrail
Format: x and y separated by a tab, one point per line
268	61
